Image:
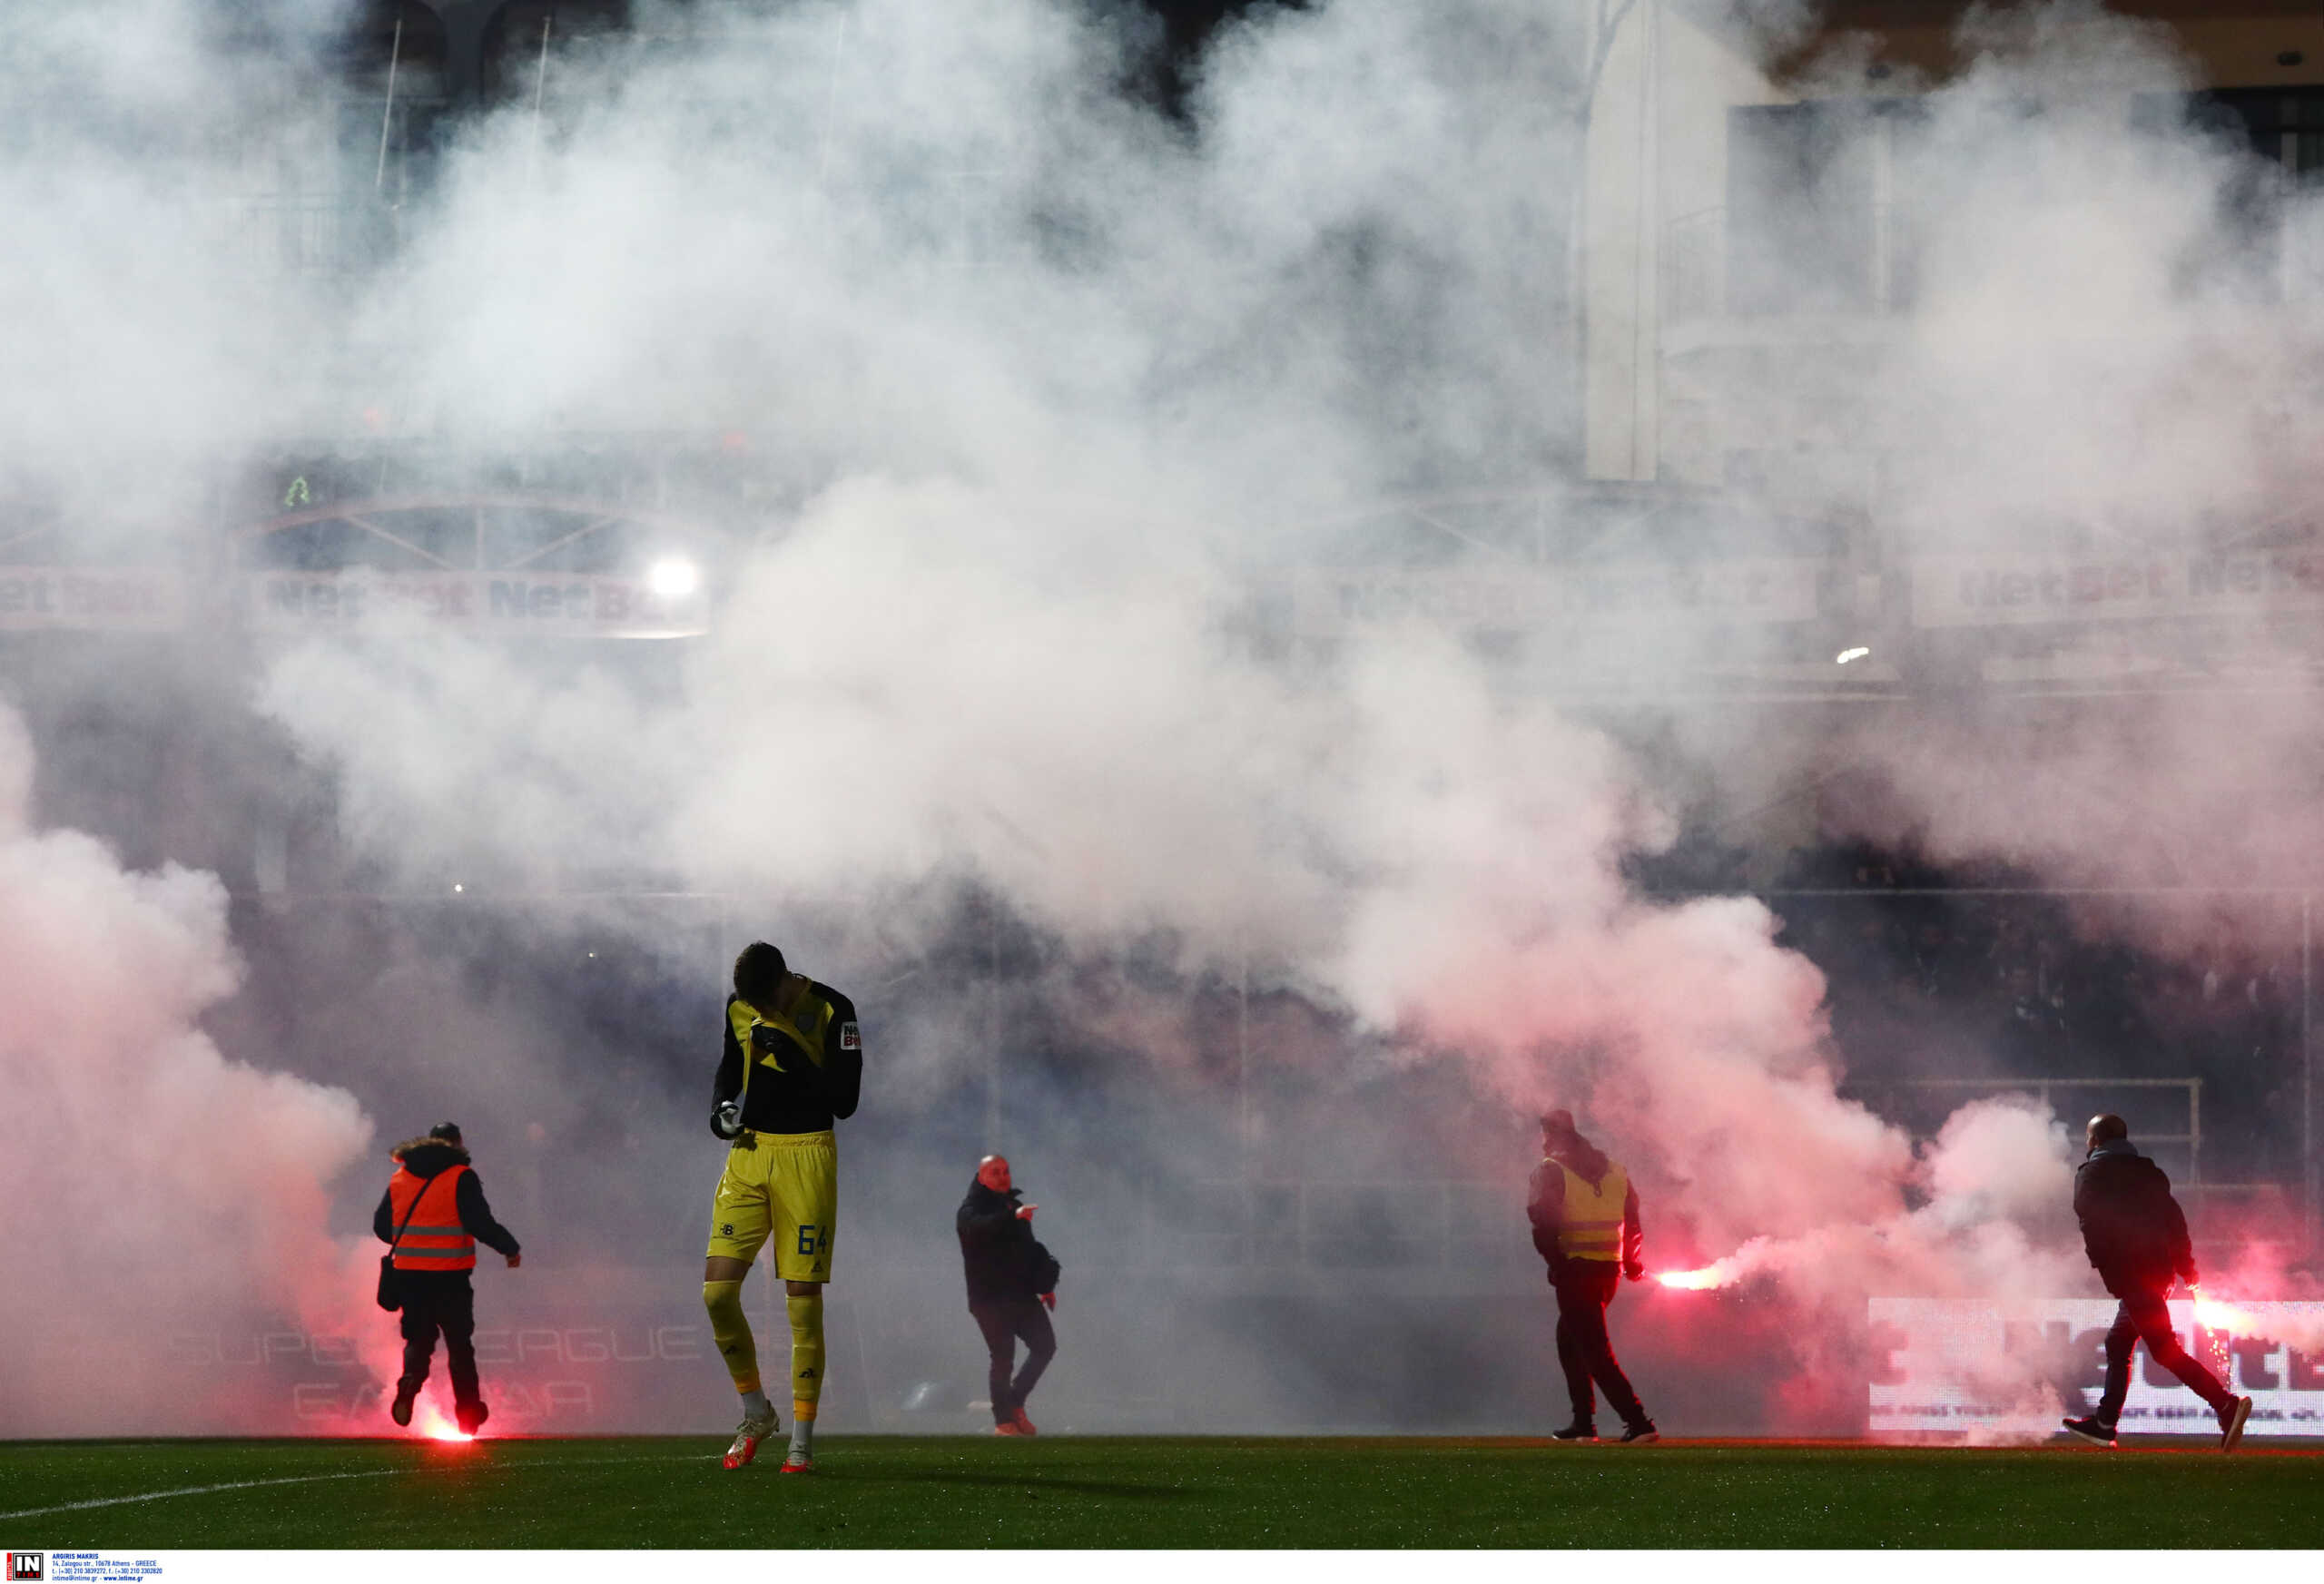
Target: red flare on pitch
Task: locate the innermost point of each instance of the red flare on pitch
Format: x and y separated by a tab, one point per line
1699	1281
1720	1273
432	1422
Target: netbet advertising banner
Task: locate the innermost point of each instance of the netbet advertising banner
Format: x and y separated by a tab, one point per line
1331	604
582	606
1978	1367
2012	589
90	599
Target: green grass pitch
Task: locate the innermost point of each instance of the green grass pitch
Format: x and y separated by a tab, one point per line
1124	1491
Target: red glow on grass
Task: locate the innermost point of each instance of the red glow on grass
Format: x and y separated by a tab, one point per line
436	1425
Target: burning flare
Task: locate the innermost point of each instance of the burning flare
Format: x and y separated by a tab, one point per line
1722	1273
2214	1316
1716	1274
434	1423
2220	1320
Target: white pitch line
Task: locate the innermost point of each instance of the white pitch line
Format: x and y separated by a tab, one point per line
309	1479
196	1491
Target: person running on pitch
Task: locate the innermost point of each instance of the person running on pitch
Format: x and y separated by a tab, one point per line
432	1216
1584	1213
2136	1237
793	1065
1012	1286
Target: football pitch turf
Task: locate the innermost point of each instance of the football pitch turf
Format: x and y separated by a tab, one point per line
1136	1491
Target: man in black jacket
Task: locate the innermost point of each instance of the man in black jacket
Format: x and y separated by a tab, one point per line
434	1214
1013	1285
2137	1241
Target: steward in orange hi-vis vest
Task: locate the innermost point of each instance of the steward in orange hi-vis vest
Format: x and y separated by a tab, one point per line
429	1211
433	1215
1584	1212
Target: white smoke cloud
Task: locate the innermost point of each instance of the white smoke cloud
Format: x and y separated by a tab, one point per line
1050	381
2101	365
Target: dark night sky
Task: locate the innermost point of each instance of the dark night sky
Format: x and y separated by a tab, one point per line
1186	25
1189	20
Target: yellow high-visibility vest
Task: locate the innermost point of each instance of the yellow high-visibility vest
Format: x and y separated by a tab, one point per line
1591	1227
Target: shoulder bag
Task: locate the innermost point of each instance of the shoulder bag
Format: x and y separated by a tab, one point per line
390	1287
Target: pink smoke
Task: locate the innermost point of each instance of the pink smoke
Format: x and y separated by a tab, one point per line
159	1175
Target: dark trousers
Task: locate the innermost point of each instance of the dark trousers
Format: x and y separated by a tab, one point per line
1585	1351
443	1301
2143	1317
1003	1321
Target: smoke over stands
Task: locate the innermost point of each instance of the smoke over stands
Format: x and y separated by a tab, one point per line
1006	379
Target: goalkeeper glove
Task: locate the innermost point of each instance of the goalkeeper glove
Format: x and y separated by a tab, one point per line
726	1120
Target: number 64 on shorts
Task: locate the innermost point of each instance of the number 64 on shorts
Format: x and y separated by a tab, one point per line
783	1187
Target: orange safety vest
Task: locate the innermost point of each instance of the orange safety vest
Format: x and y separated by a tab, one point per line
1591	1225
435	1241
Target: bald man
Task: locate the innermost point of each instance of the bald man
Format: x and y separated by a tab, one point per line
2137	1241
1013	1287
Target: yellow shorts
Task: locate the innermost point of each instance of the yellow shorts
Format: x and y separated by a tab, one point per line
785	1185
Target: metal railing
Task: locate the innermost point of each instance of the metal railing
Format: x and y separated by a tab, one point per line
1436	1223
2041	1088
2219	1213
1705	267
315	236
1449	1224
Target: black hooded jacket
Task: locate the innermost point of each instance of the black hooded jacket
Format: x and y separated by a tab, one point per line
1001	1257
2131	1228
423	1158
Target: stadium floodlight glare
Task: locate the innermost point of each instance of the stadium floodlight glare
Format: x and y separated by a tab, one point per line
674	577
1845	655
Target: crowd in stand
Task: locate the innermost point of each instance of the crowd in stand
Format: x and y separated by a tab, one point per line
1952	973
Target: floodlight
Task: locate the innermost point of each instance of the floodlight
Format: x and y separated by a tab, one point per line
674	577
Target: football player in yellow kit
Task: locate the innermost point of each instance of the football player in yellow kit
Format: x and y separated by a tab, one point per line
793	1065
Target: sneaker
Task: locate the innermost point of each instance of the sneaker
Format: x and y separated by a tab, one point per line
1024	1425
747	1436
1579	1432
400	1408
1643	1431
797	1463
2095	1431
470	1416
2231	1423
1010	1427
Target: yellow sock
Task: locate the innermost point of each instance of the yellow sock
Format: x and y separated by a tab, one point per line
806	1355
731	1331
